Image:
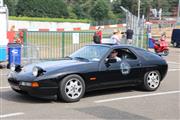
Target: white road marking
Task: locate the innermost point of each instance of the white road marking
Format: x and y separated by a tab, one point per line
11	114
5	87
136	96
172	70
3	74
171	62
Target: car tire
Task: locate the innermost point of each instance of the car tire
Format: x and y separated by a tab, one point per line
152	80
71	88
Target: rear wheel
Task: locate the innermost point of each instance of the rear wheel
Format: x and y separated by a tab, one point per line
152	80
71	88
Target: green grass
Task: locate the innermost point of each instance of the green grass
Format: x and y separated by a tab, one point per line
48	19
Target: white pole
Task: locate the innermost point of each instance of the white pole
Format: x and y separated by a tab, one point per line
1	3
3	23
178	14
139	2
142	32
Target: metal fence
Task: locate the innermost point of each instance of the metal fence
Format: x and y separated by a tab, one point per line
54	45
39	46
137	25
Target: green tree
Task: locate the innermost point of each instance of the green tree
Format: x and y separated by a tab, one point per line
89	9
11	4
42	8
116	6
146	6
99	10
78	10
71	13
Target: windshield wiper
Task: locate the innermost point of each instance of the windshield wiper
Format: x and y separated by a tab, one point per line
81	58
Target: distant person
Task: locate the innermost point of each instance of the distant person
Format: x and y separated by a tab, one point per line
11	35
160	27
129	35
116	37
123	38
162	39
97	38
163	36
19	37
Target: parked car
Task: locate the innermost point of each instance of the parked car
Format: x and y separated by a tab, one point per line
90	68
175	39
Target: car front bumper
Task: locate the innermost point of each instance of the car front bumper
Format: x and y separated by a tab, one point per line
36	91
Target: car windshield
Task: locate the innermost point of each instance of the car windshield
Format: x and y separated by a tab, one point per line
90	53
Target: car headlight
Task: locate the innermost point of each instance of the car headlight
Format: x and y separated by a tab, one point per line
37	71
30	84
13	67
16	68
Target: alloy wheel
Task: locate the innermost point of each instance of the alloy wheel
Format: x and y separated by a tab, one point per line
153	80
73	88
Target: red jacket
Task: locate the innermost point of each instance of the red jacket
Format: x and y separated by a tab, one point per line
100	34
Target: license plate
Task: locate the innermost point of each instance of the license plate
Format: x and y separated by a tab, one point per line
15	87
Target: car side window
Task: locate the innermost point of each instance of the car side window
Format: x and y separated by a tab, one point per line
126	54
115	54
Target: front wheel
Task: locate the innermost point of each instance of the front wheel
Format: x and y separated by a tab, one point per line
71	88
152	80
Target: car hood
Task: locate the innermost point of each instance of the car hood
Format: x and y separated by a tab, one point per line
52	68
53	65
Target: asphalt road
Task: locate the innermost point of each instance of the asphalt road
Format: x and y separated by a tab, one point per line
122	103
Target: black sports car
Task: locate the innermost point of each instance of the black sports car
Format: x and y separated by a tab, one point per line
90	68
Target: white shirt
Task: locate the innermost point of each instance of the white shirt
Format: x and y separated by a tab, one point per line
118	59
115	39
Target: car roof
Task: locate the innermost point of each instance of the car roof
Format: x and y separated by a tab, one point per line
114	45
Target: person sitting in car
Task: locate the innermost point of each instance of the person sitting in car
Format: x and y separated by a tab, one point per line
114	54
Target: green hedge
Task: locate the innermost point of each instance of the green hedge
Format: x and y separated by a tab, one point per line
48	19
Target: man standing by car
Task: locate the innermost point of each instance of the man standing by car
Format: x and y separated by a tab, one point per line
129	35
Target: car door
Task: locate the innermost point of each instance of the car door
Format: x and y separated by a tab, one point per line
131	65
110	73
